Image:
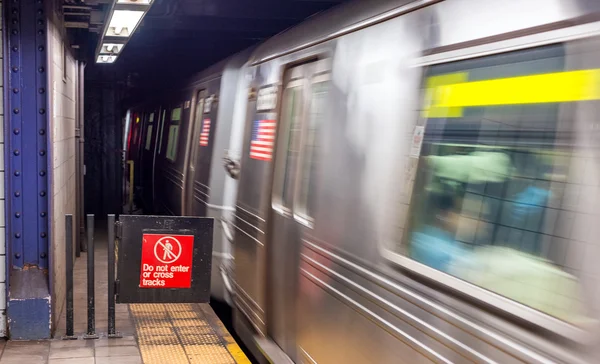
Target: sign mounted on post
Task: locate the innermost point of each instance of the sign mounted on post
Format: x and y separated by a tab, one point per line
166	261
163	259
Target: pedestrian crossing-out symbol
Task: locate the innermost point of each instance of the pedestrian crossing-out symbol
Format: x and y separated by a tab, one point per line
167	250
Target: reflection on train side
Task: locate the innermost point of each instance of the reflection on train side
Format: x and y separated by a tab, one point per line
493	177
482	211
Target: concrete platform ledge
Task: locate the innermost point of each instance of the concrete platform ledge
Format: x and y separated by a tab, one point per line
29	306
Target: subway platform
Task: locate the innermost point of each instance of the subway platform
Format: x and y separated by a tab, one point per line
151	333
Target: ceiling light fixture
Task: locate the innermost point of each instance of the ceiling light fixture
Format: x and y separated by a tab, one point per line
123	19
106	59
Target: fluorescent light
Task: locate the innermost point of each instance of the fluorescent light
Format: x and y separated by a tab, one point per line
135	2
106	59
111	48
125	16
123	23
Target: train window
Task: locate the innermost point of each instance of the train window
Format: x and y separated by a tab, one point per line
173	134
305	202
494	197
197	128
289	143
149	137
149	132
160	131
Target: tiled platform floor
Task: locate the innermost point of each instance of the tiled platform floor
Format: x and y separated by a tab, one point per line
80	351
169	333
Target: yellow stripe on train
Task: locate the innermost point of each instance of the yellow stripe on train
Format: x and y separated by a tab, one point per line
448	94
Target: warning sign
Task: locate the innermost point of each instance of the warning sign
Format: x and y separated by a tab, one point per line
417	141
166	261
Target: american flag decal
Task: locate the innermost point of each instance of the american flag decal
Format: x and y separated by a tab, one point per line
205	133
263	140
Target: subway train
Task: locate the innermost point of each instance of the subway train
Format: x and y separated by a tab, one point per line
397	181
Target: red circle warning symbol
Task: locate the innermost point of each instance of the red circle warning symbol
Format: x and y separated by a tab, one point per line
166	261
169	248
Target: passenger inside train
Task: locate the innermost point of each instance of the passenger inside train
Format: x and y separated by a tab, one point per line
489	177
511	265
434	243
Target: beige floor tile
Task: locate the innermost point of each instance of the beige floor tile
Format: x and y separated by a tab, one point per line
21	352
119	360
125	341
59	344
28	344
17	348
117	351
23	359
61	353
72	361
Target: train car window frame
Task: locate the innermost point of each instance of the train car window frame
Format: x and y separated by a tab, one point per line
553	36
540	318
306	160
174	135
196	128
161	130
149	131
280	175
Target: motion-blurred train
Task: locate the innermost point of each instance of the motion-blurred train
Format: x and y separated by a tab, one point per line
397	181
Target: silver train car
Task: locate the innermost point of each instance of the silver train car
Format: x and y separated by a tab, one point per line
404	182
171	142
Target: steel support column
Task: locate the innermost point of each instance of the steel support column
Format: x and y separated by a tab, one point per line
27	185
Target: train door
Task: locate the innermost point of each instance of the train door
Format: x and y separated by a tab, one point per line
141	122
147	160
157	151
283	248
194	148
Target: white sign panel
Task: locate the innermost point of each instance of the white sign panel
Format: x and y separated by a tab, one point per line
208	104
417	141
267	99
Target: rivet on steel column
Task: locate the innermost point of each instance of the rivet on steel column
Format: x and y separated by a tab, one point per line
27	192
42	138
14	158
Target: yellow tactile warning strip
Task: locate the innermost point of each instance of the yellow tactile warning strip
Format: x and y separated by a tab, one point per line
183	333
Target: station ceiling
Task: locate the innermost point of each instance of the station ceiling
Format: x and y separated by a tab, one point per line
179	37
